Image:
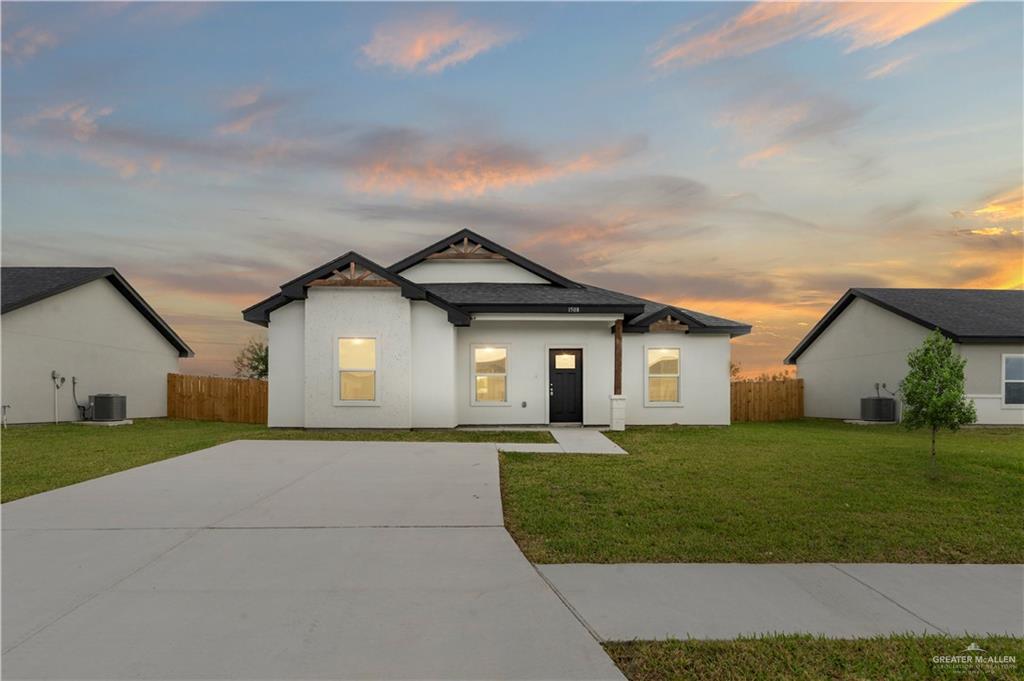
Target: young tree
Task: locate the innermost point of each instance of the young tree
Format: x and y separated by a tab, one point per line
253	360
933	391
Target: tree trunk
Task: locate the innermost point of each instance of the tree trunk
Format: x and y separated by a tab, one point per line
933	443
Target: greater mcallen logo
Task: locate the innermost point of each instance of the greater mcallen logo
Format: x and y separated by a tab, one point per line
974	657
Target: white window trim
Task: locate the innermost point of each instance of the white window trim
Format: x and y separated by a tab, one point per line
1004	381
647	376
338	402
472	374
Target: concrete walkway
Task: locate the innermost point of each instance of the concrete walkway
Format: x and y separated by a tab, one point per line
284	560
569	441
722	601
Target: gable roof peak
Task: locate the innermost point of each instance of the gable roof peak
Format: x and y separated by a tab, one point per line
466	235
963	315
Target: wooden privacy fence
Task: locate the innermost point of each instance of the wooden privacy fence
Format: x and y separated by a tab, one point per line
212	398
768	400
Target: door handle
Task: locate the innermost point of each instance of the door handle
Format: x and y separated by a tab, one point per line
551	390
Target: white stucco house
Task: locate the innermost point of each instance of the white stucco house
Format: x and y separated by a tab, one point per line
468	332
86	324
865	338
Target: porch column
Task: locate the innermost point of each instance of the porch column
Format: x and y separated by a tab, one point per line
618	400
618	357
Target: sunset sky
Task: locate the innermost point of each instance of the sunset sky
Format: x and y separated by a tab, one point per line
751	161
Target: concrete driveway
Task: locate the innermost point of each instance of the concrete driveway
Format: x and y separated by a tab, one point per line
271	559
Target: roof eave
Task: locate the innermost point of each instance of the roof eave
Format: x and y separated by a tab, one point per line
298	289
552	308
140	304
732	331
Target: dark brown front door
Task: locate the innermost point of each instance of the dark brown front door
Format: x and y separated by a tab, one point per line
565	376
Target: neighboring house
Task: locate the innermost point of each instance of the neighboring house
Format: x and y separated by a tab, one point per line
468	332
87	323
866	336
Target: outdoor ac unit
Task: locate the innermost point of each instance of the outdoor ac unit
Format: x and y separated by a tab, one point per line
877	409
107	407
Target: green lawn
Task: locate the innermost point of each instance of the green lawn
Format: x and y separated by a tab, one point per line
807	658
38	458
803	491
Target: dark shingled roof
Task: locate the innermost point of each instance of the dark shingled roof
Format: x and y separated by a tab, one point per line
965	315
654	311
21	286
558	296
25	285
474	295
489	297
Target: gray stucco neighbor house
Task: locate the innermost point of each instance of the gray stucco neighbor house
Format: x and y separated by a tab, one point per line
865	338
82	322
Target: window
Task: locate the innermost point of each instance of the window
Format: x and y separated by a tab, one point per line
565	361
490	374
663	375
1013	379
357	369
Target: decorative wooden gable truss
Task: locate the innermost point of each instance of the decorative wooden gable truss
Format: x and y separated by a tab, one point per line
352	275
465	250
670	324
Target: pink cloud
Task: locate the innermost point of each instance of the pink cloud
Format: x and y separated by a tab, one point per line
751	160
27	42
767	24
785	118
80	118
428	169
433	43
247	107
888	68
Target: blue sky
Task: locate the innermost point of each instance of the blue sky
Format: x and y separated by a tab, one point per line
747	160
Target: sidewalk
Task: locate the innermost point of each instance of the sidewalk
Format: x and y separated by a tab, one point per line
721	601
569	441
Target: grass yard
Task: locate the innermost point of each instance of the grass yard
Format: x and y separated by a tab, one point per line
42	457
808	658
801	491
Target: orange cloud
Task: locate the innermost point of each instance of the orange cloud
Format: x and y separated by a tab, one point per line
1004	269
766	24
432	44
471	169
1005	206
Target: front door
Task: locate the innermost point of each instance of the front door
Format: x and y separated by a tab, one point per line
565	388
